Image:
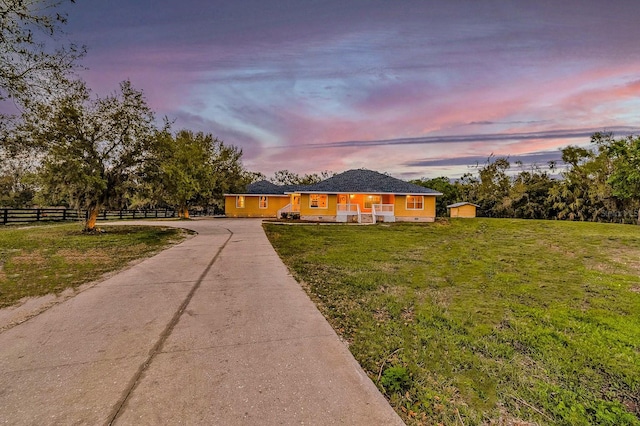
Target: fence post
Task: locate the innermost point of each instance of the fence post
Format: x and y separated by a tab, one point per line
64	214
37	215
5	216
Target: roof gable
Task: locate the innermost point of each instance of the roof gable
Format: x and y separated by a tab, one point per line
464	203
366	181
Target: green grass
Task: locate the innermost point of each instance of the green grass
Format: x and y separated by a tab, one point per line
39	260
483	321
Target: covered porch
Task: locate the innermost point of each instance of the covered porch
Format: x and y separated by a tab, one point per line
365	208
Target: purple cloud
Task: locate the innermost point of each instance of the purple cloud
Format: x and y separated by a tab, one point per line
373	84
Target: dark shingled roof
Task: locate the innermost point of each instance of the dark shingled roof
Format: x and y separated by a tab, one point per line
264	187
367	181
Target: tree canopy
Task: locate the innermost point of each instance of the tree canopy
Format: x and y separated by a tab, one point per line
285	177
33	63
92	149
596	183
192	169
70	148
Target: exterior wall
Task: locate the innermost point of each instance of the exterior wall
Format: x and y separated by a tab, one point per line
327	214
463	211
357	199
251	208
427	214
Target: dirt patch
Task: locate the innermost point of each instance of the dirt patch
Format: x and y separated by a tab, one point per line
627	257
407	314
80	256
381	315
388	267
31	258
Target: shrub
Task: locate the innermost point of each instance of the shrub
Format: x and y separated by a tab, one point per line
395	379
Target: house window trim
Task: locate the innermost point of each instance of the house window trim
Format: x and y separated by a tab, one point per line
266	202
319	206
413	208
240	205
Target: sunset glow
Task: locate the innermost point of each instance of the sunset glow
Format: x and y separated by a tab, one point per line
414	88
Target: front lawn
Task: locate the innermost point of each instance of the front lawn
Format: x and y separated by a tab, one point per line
483	321
37	260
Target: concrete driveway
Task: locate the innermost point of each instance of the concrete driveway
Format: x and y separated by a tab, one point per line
213	331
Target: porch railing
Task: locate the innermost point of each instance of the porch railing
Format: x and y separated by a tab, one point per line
349	210
285	209
382	210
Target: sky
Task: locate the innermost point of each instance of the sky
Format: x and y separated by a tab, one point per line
413	88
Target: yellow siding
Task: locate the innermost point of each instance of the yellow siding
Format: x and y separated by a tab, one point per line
251	208
427	214
463	211
308	213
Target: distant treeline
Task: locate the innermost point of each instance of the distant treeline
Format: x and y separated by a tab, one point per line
600	184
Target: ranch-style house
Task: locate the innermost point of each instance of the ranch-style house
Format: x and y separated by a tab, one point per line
362	196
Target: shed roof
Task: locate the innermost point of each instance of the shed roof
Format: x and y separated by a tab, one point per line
464	203
366	181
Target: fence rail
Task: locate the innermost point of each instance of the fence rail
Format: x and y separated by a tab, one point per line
59	214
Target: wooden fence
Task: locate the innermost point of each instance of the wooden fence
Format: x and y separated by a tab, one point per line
61	214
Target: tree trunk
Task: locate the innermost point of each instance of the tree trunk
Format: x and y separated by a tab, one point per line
183	212
90	224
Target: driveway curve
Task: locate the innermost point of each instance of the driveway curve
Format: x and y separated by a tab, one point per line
212	331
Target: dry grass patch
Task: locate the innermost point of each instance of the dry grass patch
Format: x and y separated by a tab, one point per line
48	259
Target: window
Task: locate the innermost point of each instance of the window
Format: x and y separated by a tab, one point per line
370	200
262	203
318	201
240	202
415	202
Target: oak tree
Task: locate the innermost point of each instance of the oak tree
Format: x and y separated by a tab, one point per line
92	149
193	169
